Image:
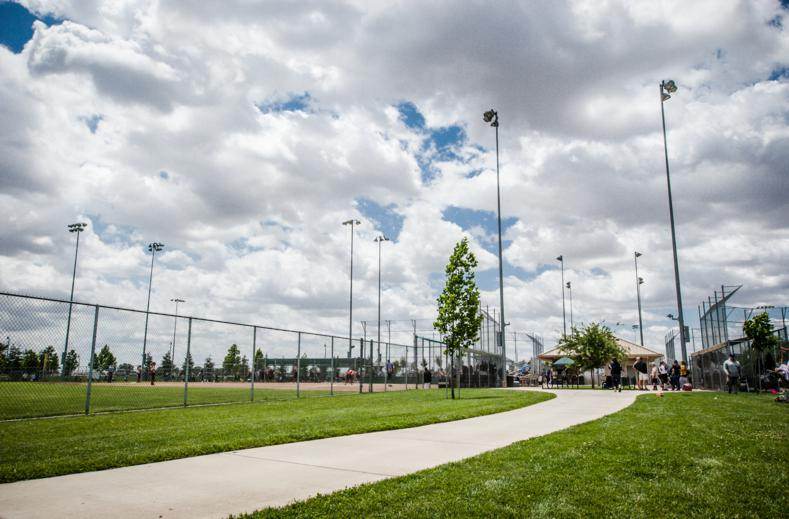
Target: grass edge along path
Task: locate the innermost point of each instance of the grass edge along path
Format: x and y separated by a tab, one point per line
41	448
685	455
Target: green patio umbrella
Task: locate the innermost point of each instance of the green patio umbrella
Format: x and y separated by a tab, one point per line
564	361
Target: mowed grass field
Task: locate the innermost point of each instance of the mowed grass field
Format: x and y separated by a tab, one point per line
31	399
54	446
684	455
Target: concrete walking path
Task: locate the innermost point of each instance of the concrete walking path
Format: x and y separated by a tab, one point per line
217	485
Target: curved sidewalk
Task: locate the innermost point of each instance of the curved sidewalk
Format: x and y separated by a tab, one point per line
217	485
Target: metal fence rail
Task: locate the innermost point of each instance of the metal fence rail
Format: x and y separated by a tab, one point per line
109	360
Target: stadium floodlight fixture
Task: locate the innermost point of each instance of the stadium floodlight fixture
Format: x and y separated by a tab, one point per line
671	316
560	259
379	239
640	281
352	222
175	326
492	117
669	87
72	228
153	248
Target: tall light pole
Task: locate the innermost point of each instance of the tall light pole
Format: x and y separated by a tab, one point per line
639	282
379	239
492	117
570	290
667	88
560	259
153	248
352	222
175	325
75	228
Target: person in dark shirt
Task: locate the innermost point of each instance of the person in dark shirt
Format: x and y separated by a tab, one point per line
616	374
641	368
674	374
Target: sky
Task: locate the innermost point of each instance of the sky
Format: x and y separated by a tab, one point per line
241	134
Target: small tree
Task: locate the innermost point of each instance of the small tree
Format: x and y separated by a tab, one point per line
260	360
208	368
30	362
189	364
104	359
167	364
459	318
591	347
760	331
232	361
70	363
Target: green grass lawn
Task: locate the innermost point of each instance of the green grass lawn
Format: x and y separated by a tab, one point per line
698	454
54	446
31	399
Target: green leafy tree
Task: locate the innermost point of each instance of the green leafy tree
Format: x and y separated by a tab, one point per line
760	332
260	360
104	359
48	361
189	363
166	366
30	362
4	346
14	360
125	370
70	363
243	368
208	367
459	318
232	361
591	346
146	366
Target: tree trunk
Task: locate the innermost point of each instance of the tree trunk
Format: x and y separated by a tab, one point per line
452	376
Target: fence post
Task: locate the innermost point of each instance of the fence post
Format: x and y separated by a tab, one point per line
371	366
298	367
360	365
331	382
416	363
187	371
252	383
92	356
406	367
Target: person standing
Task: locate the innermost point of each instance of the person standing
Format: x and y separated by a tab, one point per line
732	368
616	374
674	374
641	368
427	378
663	375
139	374
152	372
683	374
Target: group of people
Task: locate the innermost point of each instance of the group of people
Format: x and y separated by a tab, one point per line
661	374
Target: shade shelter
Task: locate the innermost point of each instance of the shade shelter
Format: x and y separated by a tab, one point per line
632	351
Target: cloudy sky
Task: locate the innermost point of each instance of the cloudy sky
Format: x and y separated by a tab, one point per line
242	133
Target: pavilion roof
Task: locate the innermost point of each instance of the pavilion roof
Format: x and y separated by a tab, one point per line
632	350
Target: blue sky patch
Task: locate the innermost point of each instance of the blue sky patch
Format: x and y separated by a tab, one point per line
294	103
779	73
386	219
164	175
468	218
16	25
438	144
92	122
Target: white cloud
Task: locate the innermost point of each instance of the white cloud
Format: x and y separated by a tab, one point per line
251	205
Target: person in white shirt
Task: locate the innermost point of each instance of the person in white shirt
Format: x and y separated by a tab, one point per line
732	368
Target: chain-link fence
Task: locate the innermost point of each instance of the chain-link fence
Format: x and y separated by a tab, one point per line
59	358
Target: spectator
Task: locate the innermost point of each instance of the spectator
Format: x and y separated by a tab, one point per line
663	375
427	378
674	374
683	374
732	369
616	375
641	368
152	372
653	375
